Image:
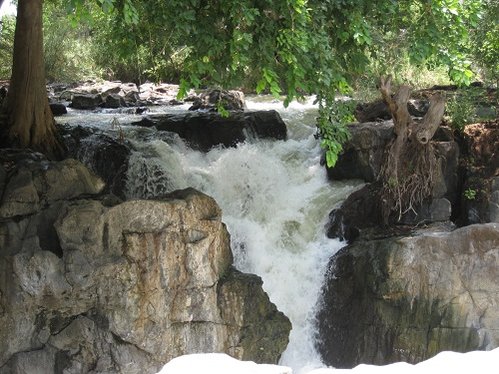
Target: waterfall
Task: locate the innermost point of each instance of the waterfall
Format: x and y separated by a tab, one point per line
275	198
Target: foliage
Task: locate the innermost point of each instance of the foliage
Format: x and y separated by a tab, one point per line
461	110
7	28
485	41
290	47
67	48
470	194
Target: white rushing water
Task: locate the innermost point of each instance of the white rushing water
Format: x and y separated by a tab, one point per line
275	200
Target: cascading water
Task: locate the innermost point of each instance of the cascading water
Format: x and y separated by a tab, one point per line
274	197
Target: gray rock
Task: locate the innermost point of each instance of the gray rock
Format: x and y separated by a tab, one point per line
58	109
114	101
211	99
440	210
494	207
406	299
363	154
30	188
126	287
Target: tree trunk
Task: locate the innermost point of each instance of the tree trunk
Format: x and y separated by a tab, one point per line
30	123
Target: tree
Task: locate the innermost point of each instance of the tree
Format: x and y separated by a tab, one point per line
292	47
29	120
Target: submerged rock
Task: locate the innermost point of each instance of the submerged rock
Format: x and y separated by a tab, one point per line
408	298
92	284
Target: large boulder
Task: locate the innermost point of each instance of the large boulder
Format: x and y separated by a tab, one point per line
92	284
408	298
205	130
363	153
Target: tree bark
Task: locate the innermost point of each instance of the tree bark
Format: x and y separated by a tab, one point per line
30	123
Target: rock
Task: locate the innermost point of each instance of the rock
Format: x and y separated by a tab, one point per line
361	210
86	101
377	110
114	101
494	201
105	156
261	333
362	158
406	299
211	99
363	154
205	130
31	185
123	287
58	109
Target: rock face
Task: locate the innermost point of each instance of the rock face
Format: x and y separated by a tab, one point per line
406	299
205	130
91	285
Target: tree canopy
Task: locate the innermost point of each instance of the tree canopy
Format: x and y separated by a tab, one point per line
286	47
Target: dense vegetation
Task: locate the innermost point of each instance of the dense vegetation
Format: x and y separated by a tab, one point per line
288	47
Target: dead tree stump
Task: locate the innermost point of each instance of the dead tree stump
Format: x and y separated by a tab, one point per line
407	175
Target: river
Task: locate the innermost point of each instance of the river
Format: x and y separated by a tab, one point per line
275	199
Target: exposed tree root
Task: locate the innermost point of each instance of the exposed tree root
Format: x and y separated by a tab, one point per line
408	173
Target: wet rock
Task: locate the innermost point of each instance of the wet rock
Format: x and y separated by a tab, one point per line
363	157
378	111
363	154
360	211
406	299
114	101
261	333
205	130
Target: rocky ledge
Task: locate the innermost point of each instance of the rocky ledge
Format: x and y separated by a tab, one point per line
89	283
